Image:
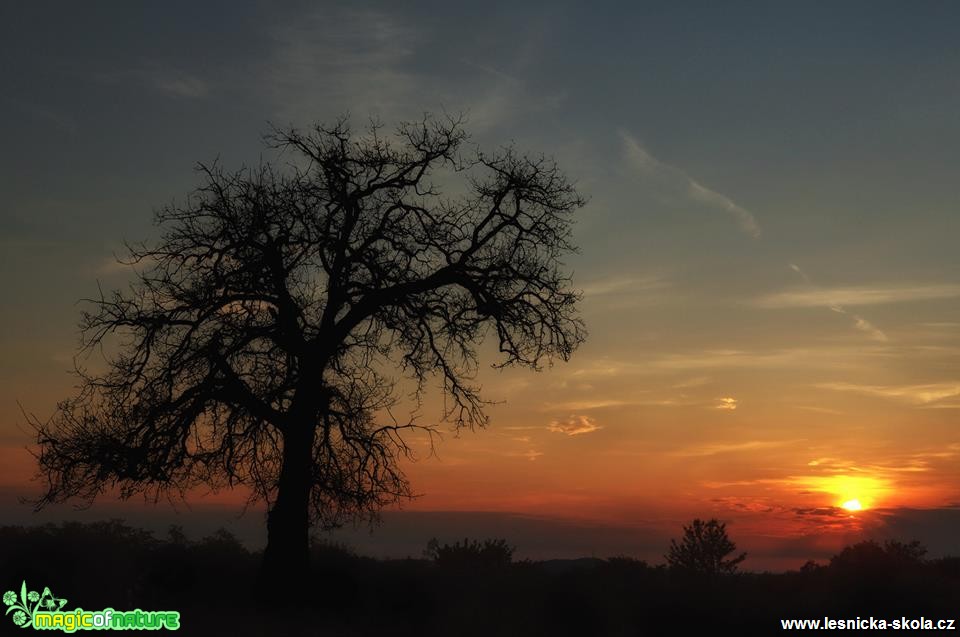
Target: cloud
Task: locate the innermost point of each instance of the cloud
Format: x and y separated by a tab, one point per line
822	511
863	295
943	406
713	449
700	363
173	83
859	323
894	466
827	357
365	61
344	59
678	180
574	425
185	86
404	533
504	98
820	410
727	402
869	329
698	381
862	324
793	358
600	368
743	216
913	394
583	405
934	528
63	121
622	285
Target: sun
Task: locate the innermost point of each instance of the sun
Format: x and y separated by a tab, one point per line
850	493
852	505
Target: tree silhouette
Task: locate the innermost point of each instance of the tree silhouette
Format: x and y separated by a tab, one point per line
256	345
872	558
704	549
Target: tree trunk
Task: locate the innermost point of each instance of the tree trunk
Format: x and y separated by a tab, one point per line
286	560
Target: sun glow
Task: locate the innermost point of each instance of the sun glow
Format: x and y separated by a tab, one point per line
852	505
852	493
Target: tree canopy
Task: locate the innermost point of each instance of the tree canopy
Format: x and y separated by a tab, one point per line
262	338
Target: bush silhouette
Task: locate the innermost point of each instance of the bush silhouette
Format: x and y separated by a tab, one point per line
490	553
704	549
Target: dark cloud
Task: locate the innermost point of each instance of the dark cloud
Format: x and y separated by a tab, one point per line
934	528
407	532
824	511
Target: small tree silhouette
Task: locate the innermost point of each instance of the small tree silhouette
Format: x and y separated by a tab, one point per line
704	549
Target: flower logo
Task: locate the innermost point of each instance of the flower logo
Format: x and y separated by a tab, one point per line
28	603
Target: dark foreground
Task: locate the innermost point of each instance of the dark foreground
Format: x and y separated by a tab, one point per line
210	582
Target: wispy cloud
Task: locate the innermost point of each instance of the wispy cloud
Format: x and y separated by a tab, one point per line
943	406
822	511
690	383
855	296
743	216
587	404
531	454
861	324
364	61
624	285
698	363
504	96
793	358
186	86
912	394
171	82
816	294
869	329
820	410
713	449
348	58
574	425
899	463
642	161
47	116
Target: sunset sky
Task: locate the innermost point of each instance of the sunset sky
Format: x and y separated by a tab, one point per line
768	257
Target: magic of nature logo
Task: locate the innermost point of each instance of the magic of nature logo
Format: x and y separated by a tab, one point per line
44	611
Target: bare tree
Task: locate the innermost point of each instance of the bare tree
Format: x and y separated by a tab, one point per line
261	339
705	549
